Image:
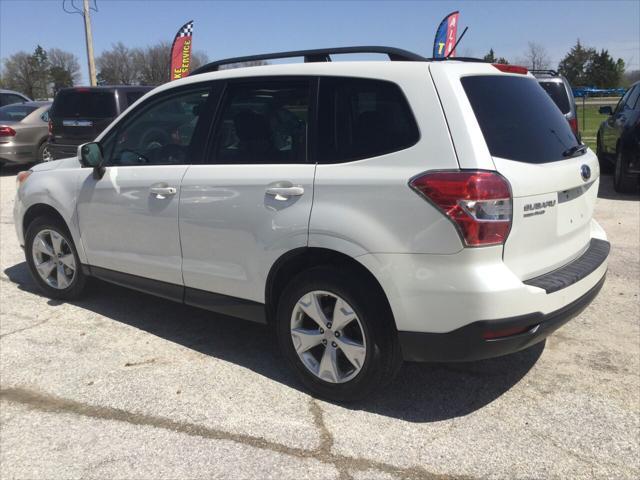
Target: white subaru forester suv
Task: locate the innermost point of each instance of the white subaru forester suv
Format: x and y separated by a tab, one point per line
368	212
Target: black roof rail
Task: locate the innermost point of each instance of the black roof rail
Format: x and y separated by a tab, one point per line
317	55
553	73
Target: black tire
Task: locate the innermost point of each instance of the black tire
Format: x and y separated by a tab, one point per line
606	166
77	284
42	149
383	355
623	182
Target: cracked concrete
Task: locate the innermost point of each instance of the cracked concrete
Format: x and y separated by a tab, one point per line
125	385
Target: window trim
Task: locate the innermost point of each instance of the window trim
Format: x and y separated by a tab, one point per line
209	152
199	135
318	158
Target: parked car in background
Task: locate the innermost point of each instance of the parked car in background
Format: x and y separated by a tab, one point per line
24	132
618	141
7	97
560	91
79	114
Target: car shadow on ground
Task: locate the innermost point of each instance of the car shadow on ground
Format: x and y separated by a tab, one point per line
420	393
606	190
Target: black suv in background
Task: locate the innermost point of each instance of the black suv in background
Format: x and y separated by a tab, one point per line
79	114
618	141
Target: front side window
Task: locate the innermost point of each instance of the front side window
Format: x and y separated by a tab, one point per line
361	118
159	134
263	122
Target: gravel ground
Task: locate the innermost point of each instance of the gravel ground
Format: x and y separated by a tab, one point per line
125	385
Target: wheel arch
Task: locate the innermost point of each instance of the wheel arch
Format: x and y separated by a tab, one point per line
300	259
42	210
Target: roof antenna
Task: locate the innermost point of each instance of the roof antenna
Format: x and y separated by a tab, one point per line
456	44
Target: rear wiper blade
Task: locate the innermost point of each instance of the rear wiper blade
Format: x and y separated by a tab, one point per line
570	152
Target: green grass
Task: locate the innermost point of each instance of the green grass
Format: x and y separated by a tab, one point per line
589	125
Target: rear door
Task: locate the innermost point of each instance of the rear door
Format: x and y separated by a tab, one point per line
508	123
250	201
78	115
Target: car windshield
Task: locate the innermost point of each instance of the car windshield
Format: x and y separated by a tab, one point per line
558	94
15	112
83	103
519	121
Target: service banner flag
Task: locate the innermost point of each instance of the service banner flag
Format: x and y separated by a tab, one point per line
181	52
446	36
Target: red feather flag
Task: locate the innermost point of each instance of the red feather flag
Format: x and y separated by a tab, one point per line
181	52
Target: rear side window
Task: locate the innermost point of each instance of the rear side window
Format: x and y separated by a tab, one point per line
84	104
558	94
362	118
518	119
263	122
15	112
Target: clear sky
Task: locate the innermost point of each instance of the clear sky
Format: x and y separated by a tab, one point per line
224	29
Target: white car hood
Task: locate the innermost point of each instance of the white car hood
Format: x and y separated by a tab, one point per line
65	162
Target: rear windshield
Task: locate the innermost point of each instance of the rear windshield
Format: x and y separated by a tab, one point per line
518	119
558	94
84	104
15	112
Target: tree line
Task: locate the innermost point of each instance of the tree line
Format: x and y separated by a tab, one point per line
42	73
582	66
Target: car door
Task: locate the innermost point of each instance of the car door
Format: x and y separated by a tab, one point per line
617	120
250	201
128	217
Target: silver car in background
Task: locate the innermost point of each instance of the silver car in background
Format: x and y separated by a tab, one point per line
24	130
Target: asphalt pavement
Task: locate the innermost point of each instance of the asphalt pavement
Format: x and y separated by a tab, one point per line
124	385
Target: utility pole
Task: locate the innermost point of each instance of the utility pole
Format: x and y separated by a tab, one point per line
89	38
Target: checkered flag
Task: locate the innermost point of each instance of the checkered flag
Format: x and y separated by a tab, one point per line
186	30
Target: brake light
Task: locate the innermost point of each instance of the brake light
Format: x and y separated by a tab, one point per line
7	132
503	67
477	202
573	122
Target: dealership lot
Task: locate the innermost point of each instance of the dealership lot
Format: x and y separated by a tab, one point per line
122	384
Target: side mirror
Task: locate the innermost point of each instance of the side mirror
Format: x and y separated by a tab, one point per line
605	110
90	155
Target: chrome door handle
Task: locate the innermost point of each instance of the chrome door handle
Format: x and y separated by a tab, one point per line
163	191
284	192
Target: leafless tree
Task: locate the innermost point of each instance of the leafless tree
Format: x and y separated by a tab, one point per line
153	63
536	57
118	66
20	74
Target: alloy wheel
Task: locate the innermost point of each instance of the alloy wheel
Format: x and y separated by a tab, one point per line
328	337
53	259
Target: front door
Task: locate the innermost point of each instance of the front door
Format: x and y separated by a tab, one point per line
251	200
129	217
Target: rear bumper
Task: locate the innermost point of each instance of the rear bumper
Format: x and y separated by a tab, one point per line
59	151
469	343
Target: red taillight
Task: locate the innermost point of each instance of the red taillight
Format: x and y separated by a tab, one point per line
7	132
574	125
477	202
503	67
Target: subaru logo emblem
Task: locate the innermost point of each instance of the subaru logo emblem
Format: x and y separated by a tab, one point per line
585	172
